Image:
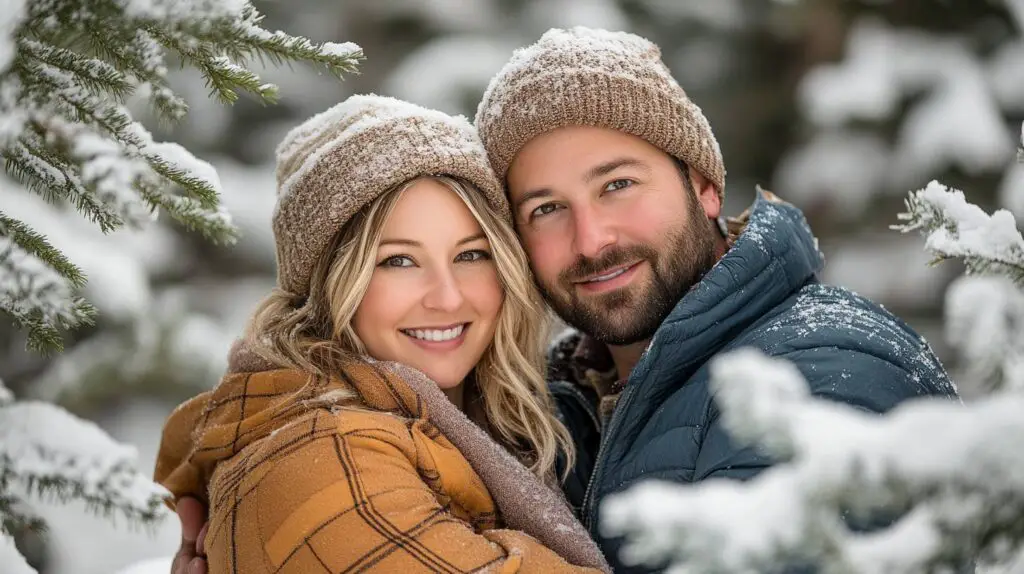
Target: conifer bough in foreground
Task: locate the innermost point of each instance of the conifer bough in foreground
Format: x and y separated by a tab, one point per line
66	69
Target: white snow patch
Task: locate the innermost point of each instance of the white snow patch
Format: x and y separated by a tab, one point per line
178	156
855	262
84	543
250	195
39	439
1005	72
12	12
340	50
977	233
13	561
985	323
446	72
844	169
151	566
957	124
12	116
1011	189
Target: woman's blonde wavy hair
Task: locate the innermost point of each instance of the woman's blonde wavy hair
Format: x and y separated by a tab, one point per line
315	334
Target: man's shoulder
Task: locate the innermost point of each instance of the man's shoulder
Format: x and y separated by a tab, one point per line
823	311
851	333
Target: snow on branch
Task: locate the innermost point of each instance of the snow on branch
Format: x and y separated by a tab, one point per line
985	309
46	451
67	69
985	324
951	476
954	228
37	295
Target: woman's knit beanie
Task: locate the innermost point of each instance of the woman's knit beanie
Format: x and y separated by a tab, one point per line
338	161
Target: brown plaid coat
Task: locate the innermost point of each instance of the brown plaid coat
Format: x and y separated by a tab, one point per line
296	484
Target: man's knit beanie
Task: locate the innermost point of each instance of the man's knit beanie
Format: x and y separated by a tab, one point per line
338	161
598	78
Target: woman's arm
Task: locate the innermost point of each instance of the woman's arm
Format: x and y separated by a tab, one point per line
352	498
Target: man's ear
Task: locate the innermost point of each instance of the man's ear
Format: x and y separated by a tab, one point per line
707	194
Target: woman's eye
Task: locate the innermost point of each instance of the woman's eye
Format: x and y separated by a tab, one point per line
398	261
618	184
543	210
473	255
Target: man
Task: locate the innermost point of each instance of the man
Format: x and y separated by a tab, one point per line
616	184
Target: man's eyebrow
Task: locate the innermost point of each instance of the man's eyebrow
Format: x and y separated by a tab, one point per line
531	195
612	165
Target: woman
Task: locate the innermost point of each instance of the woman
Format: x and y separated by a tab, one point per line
321	449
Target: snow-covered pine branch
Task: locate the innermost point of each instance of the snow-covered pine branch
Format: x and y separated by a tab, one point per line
47	452
72	459
39	282
957	472
984	309
954	228
67	69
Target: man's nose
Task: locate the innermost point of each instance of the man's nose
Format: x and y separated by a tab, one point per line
593	233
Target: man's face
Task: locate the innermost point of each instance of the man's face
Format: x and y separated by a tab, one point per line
614	234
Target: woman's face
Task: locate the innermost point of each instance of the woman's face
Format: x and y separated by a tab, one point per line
434	297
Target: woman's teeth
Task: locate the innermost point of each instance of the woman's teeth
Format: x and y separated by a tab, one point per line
435	334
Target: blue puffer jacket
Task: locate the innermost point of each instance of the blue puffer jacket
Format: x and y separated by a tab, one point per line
764	294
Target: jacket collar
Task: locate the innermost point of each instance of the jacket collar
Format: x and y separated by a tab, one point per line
774	256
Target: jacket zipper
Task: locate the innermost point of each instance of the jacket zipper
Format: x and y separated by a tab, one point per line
589	504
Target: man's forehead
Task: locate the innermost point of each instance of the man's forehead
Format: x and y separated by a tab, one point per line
581	136
580	161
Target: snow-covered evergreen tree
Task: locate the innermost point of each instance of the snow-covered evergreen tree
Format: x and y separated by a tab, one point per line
70	70
953	474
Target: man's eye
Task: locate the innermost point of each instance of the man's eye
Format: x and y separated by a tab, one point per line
543	210
618	184
473	255
397	261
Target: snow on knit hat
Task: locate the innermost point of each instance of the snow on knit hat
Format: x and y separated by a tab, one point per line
583	76
335	163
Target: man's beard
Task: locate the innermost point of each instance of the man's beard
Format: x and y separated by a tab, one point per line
633	313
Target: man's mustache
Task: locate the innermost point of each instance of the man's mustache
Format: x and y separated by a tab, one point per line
585	267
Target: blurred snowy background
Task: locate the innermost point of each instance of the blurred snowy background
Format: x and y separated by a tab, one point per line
840	106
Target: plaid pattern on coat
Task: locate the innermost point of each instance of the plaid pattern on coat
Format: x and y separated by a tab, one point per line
296	483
